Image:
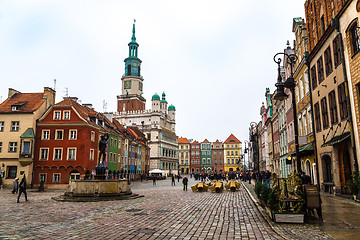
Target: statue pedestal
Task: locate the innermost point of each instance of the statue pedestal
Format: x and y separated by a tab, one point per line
100	170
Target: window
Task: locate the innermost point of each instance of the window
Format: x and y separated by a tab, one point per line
56	178
11	171
336	51
45	135
215	153
228	153
317	117
92	136
301	88
15	126
313	77
324	113
59	134
320	68
322	24
26	147
228	161
354	38
232	153
220	161
232	161
306	77
333	107
328	61
12	146
57	153
220	153
44	152
297	93
182	162
182	147
192	153
236	153
71	154
0	146
111	142
42	177
57	115
66	115
342	101
186	154
1	126
72	135
115	143
92	154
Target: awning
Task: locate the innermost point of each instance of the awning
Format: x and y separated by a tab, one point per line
337	139
156	171
306	149
29	133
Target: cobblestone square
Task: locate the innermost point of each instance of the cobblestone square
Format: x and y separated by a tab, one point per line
165	212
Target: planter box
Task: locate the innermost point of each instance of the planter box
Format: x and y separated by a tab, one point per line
288	217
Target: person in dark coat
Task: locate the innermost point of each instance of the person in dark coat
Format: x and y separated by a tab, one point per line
22	189
185	182
154	180
173	180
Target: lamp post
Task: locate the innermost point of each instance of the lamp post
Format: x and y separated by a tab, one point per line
281	95
253	140
246	150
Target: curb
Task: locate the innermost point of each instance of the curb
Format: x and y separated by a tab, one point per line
266	217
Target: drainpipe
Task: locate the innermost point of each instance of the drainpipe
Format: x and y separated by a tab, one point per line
336	25
307	63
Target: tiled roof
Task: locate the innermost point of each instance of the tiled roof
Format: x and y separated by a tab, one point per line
28	102
195	142
206	141
183	140
232	139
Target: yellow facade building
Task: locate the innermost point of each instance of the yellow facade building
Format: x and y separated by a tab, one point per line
18	116
184	156
232	154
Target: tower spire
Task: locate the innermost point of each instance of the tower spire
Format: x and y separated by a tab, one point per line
133	38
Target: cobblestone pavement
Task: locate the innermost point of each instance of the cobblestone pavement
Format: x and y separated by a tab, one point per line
165	212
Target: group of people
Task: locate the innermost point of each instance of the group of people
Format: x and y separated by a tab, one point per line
184	181
21	188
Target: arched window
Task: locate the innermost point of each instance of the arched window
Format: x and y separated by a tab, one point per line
129	70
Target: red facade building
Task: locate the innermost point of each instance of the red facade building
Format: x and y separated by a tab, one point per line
195	164
66	143
218	156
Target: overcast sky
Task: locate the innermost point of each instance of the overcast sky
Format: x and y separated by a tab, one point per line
213	59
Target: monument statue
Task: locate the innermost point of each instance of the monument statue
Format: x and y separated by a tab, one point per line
102	148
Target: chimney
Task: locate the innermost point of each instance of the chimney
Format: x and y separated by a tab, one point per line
72	98
88	105
49	96
12	92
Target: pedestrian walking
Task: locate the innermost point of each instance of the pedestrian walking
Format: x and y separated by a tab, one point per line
185	183
173	180
141	178
15	186
178	177
22	189
154	180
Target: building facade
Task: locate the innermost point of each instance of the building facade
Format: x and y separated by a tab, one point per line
195	157
206	156
184	155
218	156
232	152
18	116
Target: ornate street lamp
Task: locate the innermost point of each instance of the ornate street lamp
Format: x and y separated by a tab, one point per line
253	140
281	95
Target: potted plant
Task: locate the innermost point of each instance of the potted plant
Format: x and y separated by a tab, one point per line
354	185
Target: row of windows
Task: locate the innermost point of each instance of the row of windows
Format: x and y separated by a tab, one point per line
232	153
233	161
323	114
14	127
317	71
58	154
65	115
186	147
59	135
193	153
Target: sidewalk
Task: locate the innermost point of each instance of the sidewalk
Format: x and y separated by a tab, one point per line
341	219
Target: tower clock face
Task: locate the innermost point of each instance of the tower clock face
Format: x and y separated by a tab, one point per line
134	64
127	84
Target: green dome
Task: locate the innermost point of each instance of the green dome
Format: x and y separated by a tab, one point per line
171	107
155	97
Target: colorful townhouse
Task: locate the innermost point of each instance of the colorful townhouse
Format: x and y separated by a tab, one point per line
205	155
334	131
195	164
217	156
232	151
184	155
18	116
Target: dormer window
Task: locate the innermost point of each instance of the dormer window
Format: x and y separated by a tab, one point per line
15	108
57	115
